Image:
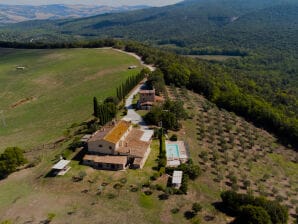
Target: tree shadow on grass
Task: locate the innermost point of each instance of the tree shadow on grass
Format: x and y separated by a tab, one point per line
222	208
189	215
51	173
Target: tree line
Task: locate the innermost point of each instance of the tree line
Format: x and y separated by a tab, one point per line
130	83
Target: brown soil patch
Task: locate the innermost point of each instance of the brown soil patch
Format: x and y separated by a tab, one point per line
23	101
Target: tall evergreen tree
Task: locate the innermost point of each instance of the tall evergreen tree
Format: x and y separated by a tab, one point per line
95	107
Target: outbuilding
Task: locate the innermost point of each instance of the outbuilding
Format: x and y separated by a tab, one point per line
177	179
61	167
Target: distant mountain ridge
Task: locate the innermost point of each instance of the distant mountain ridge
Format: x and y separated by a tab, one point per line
193	24
21	13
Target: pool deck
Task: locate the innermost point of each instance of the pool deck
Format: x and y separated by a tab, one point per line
182	154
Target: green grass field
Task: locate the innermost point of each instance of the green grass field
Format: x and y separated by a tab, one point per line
54	90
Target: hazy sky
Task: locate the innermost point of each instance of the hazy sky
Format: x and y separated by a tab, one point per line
91	2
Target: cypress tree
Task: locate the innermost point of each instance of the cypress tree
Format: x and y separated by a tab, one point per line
95	107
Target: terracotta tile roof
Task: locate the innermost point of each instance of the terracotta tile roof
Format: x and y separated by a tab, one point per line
147	103
106	159
133	146
158	99
117	132
100	134
111	133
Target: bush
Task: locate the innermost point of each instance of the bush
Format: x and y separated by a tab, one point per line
170	190
10	160
162	170
233	203
196	207
175	210
189	214
174	137
6	222
184	184
50	218
246	184
76	144
163	197
117	186
250	214
154	176
193	171
82	174
159	187
148	193
134	189
123	180
204	156
111	196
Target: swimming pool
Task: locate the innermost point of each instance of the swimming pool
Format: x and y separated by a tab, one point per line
172	151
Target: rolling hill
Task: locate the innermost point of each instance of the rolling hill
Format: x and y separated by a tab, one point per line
216	24
20	13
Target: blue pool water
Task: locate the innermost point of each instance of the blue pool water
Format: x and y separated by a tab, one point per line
172	151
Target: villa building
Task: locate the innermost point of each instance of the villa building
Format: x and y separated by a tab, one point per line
148	98
117	146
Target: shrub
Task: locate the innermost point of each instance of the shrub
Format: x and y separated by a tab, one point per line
6	222
111	196
123	180
189	214
148	193
204	156
246	184
10	159
50	218
159	187
163	197
184	184
250	214
175	210
174	137
193	171
196	207
118	186
154	176
162	170
134	189
233	202
82	175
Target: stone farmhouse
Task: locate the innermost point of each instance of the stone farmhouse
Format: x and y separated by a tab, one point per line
117	146
148	98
